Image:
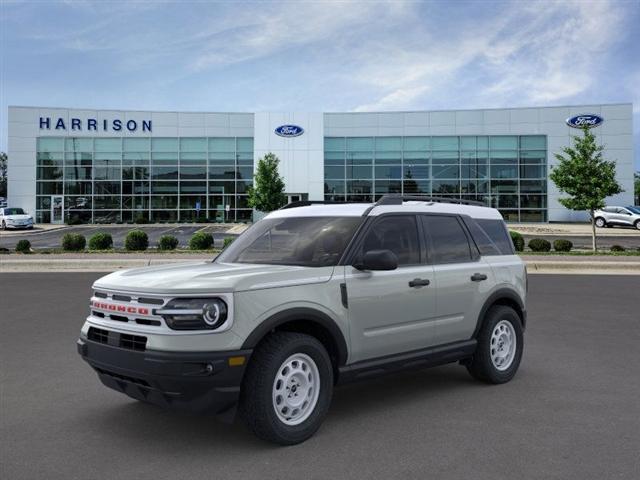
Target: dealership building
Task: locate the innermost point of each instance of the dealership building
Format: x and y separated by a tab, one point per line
106	166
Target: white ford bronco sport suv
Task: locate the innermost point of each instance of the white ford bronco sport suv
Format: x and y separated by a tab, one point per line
311	296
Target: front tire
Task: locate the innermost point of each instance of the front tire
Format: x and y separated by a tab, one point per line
637	224
600	222
4	225
500	346
287	388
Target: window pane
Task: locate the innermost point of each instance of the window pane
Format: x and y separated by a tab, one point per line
359	187
532	171
50	144
222	144
388	143
108	144
244	145
359	158
468	143
388	158
416	187
78	144
76	188
383	172
444	143
332	186
163	173
138	144
334	144
164	144
504	171
193	145
496	231
449	243
417	143
447	171
107	173
533	142
193	173
359	143
51	188
504	157
388	186
396	233
413	171
534	156
445	186
334	172
49	173
504	142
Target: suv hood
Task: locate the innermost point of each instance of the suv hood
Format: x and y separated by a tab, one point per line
210	278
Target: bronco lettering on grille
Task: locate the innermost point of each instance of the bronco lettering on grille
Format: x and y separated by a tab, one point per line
110	307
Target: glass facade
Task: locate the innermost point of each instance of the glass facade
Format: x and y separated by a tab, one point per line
507	172
107	180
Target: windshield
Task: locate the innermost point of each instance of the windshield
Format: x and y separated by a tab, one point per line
304	241
635	210
13	211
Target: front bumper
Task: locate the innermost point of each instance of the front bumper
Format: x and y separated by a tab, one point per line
201	382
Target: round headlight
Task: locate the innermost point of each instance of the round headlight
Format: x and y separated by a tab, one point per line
211	313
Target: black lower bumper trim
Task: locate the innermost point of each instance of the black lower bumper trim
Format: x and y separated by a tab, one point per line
188	381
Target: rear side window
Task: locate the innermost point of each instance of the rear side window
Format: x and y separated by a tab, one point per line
481	239
449	243
496	230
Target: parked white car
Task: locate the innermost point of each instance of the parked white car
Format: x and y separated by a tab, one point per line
15	218
621	216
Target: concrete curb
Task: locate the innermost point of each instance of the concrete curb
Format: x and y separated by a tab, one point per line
31	265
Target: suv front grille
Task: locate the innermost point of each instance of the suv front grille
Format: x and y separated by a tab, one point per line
122	340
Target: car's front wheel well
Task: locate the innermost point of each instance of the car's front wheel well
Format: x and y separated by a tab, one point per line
317	331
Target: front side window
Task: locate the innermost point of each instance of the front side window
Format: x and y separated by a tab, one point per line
303	241
449	243
396	233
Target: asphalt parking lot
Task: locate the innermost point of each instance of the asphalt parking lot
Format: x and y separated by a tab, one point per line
53	238
572	412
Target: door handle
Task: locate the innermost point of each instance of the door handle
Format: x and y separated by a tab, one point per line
419	282
478	277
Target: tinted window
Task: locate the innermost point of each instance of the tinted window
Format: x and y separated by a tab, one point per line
497	232
305	241
449	242
396	233
481	239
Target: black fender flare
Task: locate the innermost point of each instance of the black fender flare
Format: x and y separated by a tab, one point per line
300	314
511	296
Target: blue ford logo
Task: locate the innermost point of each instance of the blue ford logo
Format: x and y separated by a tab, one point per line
587	120
289	131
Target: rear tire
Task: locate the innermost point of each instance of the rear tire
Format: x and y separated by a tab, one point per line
287	389
600	222
500	346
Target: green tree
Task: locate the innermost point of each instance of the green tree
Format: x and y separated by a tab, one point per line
267	193
3	174
585	177
636	187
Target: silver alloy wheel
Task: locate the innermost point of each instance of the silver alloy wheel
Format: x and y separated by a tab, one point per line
503	345
296	389
599	222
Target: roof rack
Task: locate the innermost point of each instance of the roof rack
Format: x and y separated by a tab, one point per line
399	199
306	203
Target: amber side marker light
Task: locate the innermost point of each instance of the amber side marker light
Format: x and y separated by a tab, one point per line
236	361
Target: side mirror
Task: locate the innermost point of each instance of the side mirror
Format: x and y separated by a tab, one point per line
378	260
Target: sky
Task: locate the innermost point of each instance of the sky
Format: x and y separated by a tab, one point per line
318	55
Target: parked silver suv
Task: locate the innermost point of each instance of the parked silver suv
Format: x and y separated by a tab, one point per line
311	296
621	216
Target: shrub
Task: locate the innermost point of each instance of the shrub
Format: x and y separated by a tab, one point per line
227	241
201	241
141	220
617	248
73	242
101	241
23	246
539	245
167	242
136	240
518	240
562	245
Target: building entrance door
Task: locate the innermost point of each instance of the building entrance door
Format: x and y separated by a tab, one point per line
57	209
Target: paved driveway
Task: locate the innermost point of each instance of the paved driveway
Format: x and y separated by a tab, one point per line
572	412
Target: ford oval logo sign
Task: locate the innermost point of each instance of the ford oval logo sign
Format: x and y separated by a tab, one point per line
587	120
289	131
